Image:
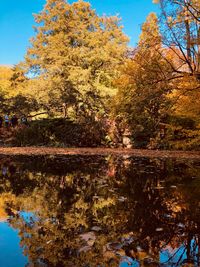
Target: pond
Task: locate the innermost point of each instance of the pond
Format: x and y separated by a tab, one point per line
91	210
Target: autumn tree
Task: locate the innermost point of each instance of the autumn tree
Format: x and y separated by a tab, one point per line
142	97
179	23
180	27
74	56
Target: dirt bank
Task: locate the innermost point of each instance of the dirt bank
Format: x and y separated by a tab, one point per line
99	151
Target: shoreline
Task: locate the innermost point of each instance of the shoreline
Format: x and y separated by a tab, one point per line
34	151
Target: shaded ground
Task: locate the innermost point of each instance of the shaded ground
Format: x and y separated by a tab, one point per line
98	151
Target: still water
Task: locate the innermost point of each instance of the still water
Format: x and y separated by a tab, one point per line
87	211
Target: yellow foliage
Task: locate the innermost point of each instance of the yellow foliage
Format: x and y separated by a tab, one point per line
5	83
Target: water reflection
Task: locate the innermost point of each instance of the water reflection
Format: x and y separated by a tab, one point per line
86	211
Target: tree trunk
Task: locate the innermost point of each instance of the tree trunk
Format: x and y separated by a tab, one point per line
64	110
188	40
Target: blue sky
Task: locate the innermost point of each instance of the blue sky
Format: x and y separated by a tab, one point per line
16	21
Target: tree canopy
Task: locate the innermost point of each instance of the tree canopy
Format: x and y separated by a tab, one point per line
75	55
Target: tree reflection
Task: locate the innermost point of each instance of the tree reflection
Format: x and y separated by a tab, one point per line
82	211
